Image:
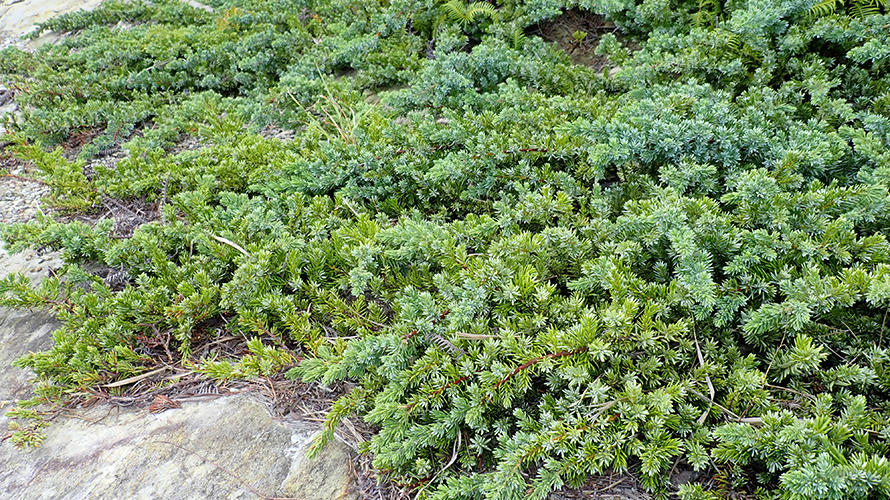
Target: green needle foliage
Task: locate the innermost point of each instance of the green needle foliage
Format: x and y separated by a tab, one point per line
531	272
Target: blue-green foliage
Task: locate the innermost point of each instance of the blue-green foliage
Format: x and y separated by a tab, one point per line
533	272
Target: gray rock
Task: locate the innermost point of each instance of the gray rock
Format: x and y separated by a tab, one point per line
204	450
22	331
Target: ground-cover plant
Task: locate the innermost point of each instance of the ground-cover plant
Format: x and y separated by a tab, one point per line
532	272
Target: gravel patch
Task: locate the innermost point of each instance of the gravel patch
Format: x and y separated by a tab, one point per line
20	197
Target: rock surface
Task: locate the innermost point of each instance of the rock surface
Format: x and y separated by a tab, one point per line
226	448
22	331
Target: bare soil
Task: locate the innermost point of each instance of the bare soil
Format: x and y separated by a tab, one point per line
578	32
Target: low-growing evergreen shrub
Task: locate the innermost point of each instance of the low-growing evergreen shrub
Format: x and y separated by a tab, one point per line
532	272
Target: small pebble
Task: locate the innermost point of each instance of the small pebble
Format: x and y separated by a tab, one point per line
20	199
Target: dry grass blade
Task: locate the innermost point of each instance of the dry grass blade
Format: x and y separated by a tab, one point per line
474	336
454	453
711	391
231	244
136	378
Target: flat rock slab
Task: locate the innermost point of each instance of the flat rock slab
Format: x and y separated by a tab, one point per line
23	331
193	452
